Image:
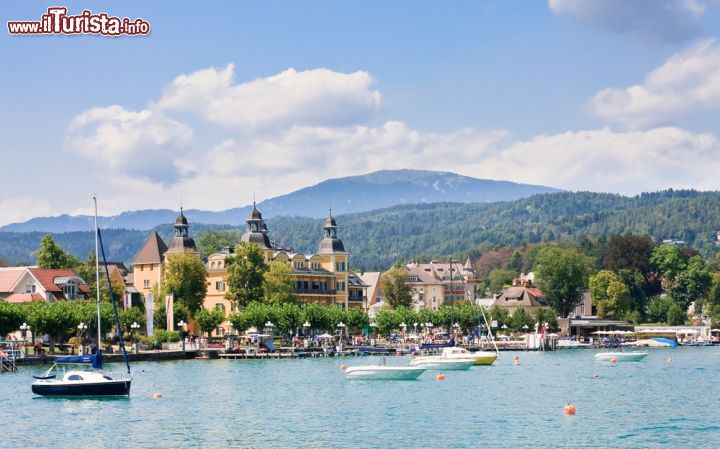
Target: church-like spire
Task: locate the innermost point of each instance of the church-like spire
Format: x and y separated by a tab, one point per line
331	243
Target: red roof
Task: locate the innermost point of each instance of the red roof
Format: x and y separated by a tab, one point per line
9	276
24	297
46	277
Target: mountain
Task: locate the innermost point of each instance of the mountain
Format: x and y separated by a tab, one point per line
352	194
377	238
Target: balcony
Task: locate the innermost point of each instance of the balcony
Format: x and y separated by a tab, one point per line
310	291
357	298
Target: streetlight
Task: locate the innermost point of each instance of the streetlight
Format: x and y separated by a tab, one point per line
133	328
341	326
415	326
306	327
526	328
24	327
181	326
269	326
81	329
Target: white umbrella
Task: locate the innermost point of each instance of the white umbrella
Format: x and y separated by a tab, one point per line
326	336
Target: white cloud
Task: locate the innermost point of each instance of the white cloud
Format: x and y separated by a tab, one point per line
312	97
649	21
21	208
607	161
146	144
687	82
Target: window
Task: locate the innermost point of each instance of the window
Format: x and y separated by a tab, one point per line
30	288
220	331
340	266
212	265
315	285
146	283
142	267
341	286
75	377
220	307
219	286
69	291
151	267
434	299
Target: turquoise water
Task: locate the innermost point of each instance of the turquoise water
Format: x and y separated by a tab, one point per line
308	403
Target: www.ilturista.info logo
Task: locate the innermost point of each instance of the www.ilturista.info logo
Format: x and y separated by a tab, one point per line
56	21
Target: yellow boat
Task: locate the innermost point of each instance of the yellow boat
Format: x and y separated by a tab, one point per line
480	357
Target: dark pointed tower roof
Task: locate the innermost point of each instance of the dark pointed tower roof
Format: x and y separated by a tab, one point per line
256	230
330	243
182	241
152	251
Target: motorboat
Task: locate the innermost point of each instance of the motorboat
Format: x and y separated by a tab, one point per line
380	372
621	356
450	359
479	357
79	382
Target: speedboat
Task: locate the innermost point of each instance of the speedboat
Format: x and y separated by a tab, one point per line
379	372
479	357
77	382
629	356
450	360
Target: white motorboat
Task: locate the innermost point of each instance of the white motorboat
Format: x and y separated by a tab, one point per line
379	372
451	359
479	357
620	356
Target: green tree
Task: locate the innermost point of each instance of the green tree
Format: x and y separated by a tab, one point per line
694	283
658	307
11	318
387	320
245	274
180	313
676	316
257	314
316	315
357	320
129	316
521	318
499	279
334	315
628	251
278	284
86	270
213	241
669	262
239	321
52	255
56	319
397	292
209	320
500	315
638	286
610	295
287	317
426	315
547	316
86	311
185	277
561	274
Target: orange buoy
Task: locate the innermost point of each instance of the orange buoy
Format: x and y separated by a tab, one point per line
516	360
569	409
343	367
440	377
613	360
157	395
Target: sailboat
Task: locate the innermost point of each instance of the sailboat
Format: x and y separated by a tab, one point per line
87	382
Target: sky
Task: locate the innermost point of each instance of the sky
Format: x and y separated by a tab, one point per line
229	99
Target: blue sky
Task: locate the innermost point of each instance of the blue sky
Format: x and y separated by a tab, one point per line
228	98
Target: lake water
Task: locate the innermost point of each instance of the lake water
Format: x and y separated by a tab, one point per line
308	403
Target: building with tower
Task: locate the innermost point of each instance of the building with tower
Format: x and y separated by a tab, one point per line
320	278
149	263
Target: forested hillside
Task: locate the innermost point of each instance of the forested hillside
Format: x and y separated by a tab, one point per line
376	238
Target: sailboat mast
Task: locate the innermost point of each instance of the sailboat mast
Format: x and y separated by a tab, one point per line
97	276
